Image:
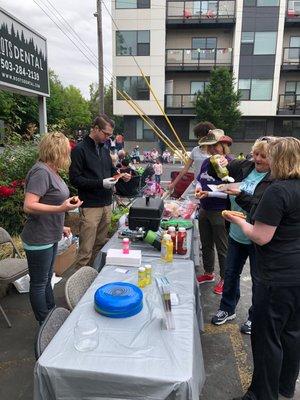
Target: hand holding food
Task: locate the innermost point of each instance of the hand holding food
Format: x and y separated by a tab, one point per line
231	216
74	200
70	204
108	183
126	177
201	194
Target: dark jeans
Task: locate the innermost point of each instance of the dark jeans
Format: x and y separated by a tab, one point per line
40	265
237	255
275	339
157	178
213	233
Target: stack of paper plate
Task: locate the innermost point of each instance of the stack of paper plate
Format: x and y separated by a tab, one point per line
118	300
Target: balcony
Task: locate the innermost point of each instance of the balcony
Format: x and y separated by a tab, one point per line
292	17
188	14
291	59
180	103
198	59
289	104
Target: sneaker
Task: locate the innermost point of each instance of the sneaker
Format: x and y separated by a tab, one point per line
246	327
221	317
218	289
206	278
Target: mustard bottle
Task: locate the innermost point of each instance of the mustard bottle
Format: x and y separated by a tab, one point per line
142	277
148	269
167	248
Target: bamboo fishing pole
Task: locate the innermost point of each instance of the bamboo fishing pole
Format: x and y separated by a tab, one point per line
163	112
152	125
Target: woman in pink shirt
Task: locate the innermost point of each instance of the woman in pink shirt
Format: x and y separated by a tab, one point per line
158	170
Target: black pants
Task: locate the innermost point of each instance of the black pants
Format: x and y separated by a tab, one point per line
275	339
40	266
213	233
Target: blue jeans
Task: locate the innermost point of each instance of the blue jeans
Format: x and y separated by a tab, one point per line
157	178
40	266
237	255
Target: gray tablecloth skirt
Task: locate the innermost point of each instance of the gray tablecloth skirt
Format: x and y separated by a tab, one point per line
135	358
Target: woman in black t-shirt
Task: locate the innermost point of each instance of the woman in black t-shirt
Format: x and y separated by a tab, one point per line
275	334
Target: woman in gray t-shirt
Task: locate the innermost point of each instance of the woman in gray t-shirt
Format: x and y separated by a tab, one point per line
46	201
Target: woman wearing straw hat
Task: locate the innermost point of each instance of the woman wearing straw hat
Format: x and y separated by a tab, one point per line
212	227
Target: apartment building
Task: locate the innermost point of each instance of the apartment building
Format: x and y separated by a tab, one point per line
177	43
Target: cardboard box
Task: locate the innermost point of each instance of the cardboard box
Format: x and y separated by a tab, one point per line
64	260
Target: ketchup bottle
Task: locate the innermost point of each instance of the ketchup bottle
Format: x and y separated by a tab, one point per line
181	241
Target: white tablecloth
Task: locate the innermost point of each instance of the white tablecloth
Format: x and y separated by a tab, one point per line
136	358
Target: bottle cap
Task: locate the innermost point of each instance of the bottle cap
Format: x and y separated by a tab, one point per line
148	266
172	229
125	240
181	229
141	269
167	237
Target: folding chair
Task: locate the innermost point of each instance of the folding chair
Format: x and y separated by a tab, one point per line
11	268
78	284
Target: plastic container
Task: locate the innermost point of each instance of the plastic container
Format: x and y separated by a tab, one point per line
125	246
154	239
118	300
173	234
148	269
181	241
142	279
145	213
167	248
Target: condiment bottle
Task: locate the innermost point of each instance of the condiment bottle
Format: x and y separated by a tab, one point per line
148	269
142	277
172	232
167	248
182	241
125	246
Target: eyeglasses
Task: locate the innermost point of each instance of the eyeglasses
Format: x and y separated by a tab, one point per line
107	133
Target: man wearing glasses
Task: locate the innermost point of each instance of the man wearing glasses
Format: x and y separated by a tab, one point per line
91	173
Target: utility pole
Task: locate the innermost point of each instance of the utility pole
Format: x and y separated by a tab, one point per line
100	57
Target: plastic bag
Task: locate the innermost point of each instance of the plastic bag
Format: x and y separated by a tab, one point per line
22	284
64	243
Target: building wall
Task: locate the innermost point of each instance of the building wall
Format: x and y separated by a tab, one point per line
182	81
182	39
152	19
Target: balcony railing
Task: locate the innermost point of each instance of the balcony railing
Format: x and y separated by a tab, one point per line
289	104
197	59
291	58
180	103
189	12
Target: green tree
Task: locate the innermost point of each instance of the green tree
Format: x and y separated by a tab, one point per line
219	103
108	105
55	103
76	109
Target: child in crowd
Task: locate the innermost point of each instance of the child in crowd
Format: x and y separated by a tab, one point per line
158	170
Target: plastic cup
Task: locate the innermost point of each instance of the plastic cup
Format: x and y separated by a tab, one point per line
86	335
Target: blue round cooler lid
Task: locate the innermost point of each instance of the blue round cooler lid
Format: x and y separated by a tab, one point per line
118	298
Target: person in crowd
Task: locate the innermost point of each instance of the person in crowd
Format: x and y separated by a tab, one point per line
166	156
119	141
46	201
135	155
154	155
211	224
158	170
275	334
91	173
255	178
112	144
197	156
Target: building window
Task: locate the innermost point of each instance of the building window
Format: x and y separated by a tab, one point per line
256	89
250	129
132	3
204	43
135	86
134	43
293	8
292	87
143	131
261	3
257	43
291	128
198	86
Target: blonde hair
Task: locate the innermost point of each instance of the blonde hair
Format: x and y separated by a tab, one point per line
54	149
284	155
261	146
226	149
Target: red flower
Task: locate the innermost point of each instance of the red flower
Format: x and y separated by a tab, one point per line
72	143
6	191
17	183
